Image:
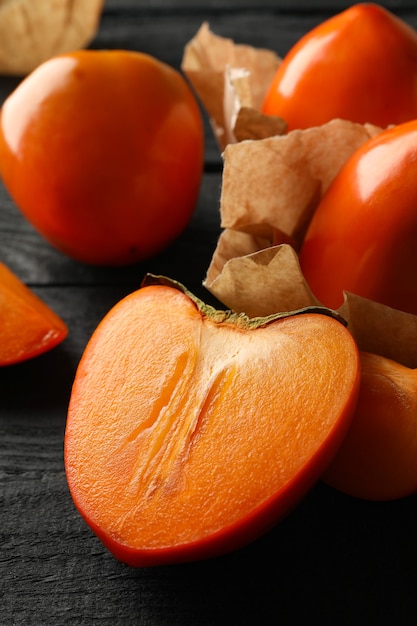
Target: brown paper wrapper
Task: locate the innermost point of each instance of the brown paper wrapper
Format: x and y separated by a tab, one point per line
271	187
272	184
270	281
32	31
229	77
275	184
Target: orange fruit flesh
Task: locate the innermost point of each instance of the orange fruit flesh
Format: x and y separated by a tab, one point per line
179	427
28	326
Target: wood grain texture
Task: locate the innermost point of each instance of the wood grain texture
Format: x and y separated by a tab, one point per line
293	6
334	558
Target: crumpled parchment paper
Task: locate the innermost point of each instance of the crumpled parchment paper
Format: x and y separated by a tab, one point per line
32	31
272	183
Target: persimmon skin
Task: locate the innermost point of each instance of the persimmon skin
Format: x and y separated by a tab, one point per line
182	441
363	235
28	326
103	151
378	457
359	65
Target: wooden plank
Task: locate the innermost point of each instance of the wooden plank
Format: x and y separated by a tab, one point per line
345	560
333	555
166	38
293	6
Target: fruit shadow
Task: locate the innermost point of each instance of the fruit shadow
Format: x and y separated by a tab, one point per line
41	383
333	555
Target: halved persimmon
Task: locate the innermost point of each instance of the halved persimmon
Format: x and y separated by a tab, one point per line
28	326
192	431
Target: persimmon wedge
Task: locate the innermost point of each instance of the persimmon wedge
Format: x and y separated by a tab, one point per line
192	431
28	326
378	457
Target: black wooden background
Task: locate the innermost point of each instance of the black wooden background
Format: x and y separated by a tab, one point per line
334	560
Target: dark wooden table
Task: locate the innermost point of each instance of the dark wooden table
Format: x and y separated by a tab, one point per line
334	560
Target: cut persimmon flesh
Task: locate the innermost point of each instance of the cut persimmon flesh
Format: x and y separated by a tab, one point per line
28	327
192	431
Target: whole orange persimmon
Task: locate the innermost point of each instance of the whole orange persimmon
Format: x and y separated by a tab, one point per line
102	151
363	235
378	457
359	65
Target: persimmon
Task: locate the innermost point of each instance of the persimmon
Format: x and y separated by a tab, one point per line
103	151
359	65
28	326
191	431
363	235
378	457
